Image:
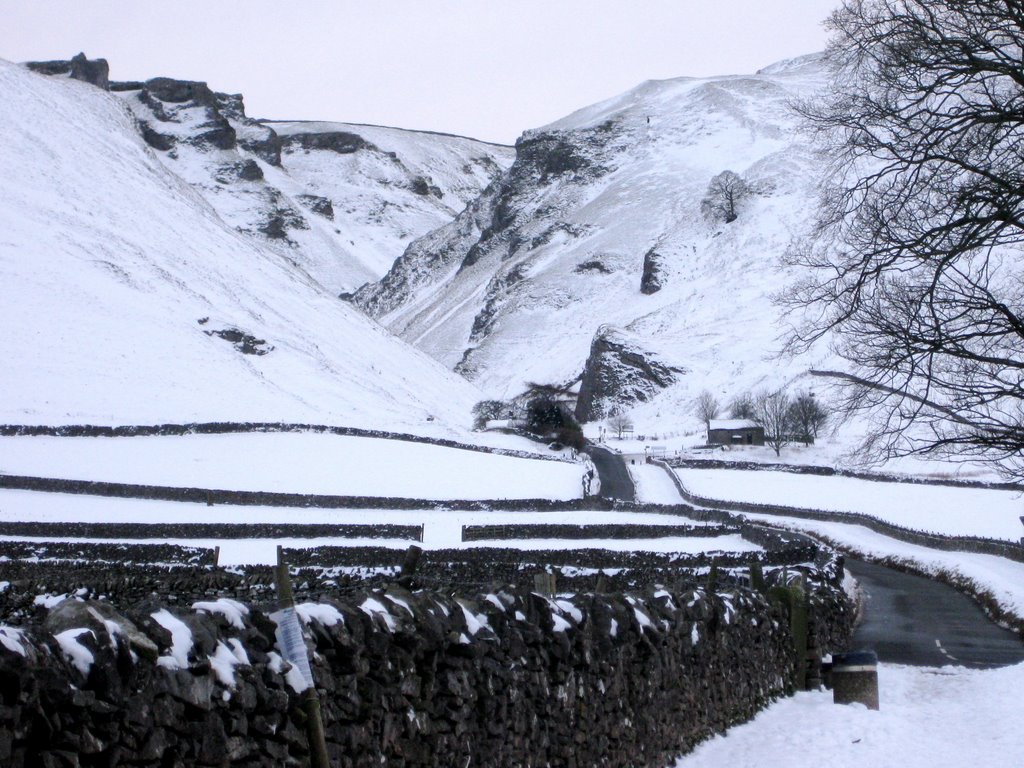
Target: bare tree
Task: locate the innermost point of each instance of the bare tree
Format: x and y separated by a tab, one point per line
707	408
620	423
771	411
724	195
742	406
915	260
806	417
487	410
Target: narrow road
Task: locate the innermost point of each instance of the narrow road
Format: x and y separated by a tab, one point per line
913	620
615	480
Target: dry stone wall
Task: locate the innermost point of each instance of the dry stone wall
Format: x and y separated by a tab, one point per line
406	679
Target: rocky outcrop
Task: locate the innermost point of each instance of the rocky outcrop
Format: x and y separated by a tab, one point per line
501	223
619	373
318	204
93	71
653	275
244	342
342	142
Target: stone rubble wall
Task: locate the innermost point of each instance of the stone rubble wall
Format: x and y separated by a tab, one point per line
212	530
406	679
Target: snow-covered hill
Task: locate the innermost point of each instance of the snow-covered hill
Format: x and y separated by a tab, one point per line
598	232
340	201
387	186
128	298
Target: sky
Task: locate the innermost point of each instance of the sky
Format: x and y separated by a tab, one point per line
473	67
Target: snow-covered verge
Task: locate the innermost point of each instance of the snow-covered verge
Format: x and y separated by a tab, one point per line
127	299
300	462
928	718
946	510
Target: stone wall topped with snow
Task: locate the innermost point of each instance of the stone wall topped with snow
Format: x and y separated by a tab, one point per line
421	678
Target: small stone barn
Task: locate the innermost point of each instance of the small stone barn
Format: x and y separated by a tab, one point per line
735	432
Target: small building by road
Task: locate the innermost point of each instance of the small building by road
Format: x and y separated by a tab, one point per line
634	457
735	432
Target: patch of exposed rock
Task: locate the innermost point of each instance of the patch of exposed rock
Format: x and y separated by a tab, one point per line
619	373
654	273
93	71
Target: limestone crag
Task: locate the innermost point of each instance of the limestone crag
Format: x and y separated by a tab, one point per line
93	71
372	190
618	374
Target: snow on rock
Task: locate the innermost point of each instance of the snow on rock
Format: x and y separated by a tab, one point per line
12	639
293	676
49	601
80	656
181	640
225	658
373	607
618	374
474	621
385	186
322	613
570	609
232	610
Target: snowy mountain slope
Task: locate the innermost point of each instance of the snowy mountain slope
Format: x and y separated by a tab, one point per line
515	289
341	201
126	297
388	186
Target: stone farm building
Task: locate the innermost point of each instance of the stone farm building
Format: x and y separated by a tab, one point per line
735	432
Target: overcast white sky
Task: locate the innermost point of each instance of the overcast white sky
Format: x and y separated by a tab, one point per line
474	67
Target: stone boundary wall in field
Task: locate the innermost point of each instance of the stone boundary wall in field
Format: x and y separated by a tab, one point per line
101	552
972	544
616	531
211	496
414	679
275	499
210	531
810	469
230	427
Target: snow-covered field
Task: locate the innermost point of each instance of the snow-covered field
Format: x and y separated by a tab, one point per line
294	462
928	718
442	529
940	509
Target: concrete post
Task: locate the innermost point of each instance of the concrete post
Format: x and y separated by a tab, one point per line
854	678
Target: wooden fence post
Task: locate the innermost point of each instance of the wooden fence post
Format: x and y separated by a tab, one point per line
310	700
